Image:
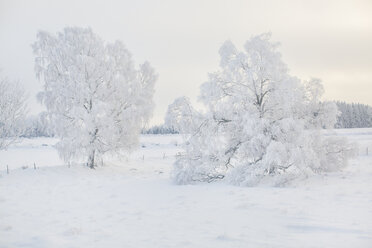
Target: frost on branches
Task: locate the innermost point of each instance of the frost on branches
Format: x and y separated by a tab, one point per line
12	112
96	98
261	125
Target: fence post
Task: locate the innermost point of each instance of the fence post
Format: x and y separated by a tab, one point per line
34	166
7	169
367	151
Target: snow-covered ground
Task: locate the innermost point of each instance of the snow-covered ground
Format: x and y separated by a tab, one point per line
133	203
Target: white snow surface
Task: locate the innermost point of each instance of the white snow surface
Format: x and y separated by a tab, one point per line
132	203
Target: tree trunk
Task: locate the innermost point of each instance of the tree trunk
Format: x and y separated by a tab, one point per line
91	160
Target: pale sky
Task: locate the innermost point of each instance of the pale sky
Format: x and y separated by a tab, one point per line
330	40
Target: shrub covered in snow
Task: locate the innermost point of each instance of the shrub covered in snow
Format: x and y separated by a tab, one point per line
261	125
97	100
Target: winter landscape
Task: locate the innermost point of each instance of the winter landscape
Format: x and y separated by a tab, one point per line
248	147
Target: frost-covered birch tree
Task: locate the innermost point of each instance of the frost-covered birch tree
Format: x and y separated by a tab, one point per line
12	112
260	125
96	98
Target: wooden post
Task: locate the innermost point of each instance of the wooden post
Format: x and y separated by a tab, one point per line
164	155
367	151
7	169
143	157
34	166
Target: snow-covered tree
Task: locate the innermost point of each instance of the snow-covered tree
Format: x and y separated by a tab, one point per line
12	112
97	100
260	124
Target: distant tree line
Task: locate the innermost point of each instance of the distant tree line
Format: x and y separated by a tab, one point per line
40	126
159	129
37	126
354	115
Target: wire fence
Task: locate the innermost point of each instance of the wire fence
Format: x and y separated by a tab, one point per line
364	151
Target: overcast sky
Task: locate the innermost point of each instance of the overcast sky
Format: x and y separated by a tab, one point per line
330	40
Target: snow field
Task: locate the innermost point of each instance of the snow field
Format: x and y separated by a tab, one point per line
133	203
